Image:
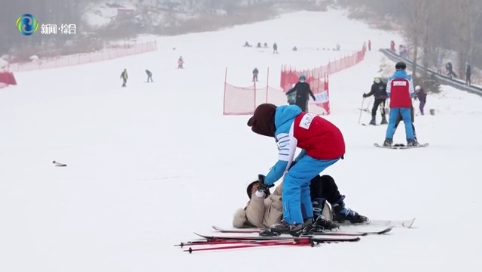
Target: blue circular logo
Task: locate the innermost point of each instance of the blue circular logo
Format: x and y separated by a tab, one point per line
27	24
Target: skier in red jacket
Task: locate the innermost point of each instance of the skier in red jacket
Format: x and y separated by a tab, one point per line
400	90
322	145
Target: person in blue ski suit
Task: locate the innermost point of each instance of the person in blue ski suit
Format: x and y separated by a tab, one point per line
322	145
400	90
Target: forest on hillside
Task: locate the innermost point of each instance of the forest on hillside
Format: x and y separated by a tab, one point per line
203	15
431	27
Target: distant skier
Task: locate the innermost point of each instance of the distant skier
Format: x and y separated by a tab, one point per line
275	48
468	74
255	74
124	77
400	90
180	63
149	76
303	91
379	91
369	45
450	70
422	98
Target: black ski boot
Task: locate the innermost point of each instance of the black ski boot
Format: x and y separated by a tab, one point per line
322	224
345	215
284	228
318	205
412	142
307	228
388	142
384	120
373	122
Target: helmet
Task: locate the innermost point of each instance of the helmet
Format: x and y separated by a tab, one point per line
417	88
250	184
302	76
377	79
401	66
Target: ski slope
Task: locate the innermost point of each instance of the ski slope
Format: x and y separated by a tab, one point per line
151	163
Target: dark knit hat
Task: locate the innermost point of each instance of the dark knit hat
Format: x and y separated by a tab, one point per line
262	122
401	65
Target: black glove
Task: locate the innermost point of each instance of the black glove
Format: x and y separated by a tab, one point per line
262	186
261	178
364	95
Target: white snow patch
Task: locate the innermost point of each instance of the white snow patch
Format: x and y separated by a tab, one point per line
106	213
3	63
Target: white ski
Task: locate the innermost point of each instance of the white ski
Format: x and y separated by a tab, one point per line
387	223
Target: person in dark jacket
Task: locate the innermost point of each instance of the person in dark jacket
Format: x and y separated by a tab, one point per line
124	77
422	98
468	74
303	91
275	48
379	91
149	76
255	74
450	70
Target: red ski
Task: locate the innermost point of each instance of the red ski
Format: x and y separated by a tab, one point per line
325	233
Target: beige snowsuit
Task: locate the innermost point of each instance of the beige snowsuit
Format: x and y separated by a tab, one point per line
260	212
263	212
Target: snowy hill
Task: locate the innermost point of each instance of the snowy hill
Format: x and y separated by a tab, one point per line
150	163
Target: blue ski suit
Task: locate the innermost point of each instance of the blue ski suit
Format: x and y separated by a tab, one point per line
400	90
296	199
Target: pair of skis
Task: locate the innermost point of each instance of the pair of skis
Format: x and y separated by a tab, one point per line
220	242
232	241
400	146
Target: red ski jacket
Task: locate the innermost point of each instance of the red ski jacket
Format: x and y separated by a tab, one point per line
320	138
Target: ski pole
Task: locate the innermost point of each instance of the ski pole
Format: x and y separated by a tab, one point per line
361	110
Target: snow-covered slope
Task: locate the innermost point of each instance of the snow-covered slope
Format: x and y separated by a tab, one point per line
151	163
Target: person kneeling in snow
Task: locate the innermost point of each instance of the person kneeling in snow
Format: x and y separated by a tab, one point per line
265	209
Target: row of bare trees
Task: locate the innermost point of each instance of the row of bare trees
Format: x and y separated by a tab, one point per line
433	27
71	12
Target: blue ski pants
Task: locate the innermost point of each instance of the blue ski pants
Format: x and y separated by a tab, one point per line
296	199
407	120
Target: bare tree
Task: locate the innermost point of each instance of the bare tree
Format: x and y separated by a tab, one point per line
469	13
413	29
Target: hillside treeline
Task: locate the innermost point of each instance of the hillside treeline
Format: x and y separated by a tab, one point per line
432	26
